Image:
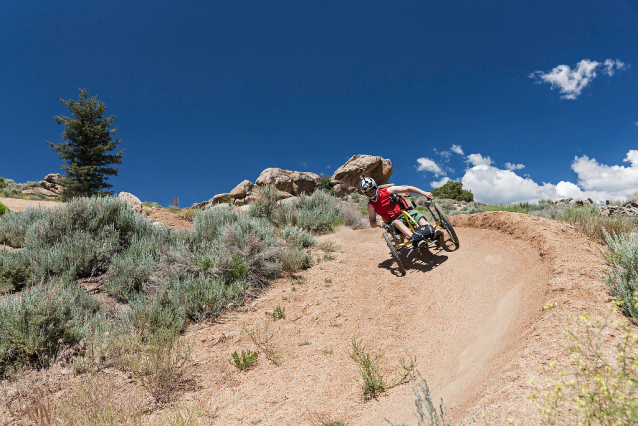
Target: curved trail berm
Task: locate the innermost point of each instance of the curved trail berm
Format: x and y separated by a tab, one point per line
473	318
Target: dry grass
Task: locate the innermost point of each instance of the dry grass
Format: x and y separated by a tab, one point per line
92	400
261	336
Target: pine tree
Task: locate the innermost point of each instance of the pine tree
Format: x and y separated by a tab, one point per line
87	142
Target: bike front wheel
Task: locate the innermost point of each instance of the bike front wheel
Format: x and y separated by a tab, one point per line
445	223
394	252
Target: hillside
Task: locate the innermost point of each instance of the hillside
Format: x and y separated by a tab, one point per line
473	318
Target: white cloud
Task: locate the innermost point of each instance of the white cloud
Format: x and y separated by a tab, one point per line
636	123
478	160
572	82
599	177
436	184
458	150
609	66
512	167
597	181
427	165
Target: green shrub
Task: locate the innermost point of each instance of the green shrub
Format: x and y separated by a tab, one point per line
3	209
3	183
153	314
245	360
13	227
591	223
297	237
294	259
324	182
40	322
373	383
319	212
15	270
279	313
204	297
265	204
622	276
453	190
76	255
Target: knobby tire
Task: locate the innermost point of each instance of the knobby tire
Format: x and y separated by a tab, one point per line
394	252
445	222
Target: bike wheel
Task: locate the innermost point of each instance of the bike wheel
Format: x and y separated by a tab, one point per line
445	222
394	252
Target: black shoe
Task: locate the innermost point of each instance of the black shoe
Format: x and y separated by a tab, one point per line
440	238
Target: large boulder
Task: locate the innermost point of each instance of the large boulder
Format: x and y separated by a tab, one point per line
288	181
54	178
243	189
277	178
131	200
379	169
304	181
221	198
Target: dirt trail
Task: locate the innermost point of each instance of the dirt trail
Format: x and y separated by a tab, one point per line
473	318
19	204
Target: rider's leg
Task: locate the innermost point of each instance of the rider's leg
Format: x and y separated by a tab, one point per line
402	227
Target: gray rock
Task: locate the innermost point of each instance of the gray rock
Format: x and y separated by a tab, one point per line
54	178
243	189
36	190
131	200
221	198
289	181
379	169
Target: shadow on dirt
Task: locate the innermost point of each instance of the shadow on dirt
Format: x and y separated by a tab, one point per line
415	260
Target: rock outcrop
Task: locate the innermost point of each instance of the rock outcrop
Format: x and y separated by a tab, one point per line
49	187
379	169
131	200
288	181
344	182
630	208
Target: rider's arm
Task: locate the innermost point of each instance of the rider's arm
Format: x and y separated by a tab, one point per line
402	189
372	215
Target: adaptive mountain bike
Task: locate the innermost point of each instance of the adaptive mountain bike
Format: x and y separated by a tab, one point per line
397	241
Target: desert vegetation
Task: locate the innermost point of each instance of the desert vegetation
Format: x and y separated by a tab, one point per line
155	281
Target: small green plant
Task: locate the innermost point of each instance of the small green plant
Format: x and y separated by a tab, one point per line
327	280
236	269
304	343
279	313
3	209
328	256
328	246
246	360
373	382
263	339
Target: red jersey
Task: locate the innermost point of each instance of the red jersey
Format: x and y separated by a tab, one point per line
384	207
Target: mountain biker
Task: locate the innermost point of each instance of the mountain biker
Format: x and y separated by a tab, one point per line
380	202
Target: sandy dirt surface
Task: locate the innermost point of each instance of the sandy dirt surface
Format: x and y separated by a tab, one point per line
18	204
473	318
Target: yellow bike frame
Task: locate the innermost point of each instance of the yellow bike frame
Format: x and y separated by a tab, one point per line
410	221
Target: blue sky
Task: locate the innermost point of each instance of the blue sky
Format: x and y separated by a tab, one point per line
209	93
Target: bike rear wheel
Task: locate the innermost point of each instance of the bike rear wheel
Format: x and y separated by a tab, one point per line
394	252
445	222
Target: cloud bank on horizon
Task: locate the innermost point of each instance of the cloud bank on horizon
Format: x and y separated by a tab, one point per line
572	82
493	185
